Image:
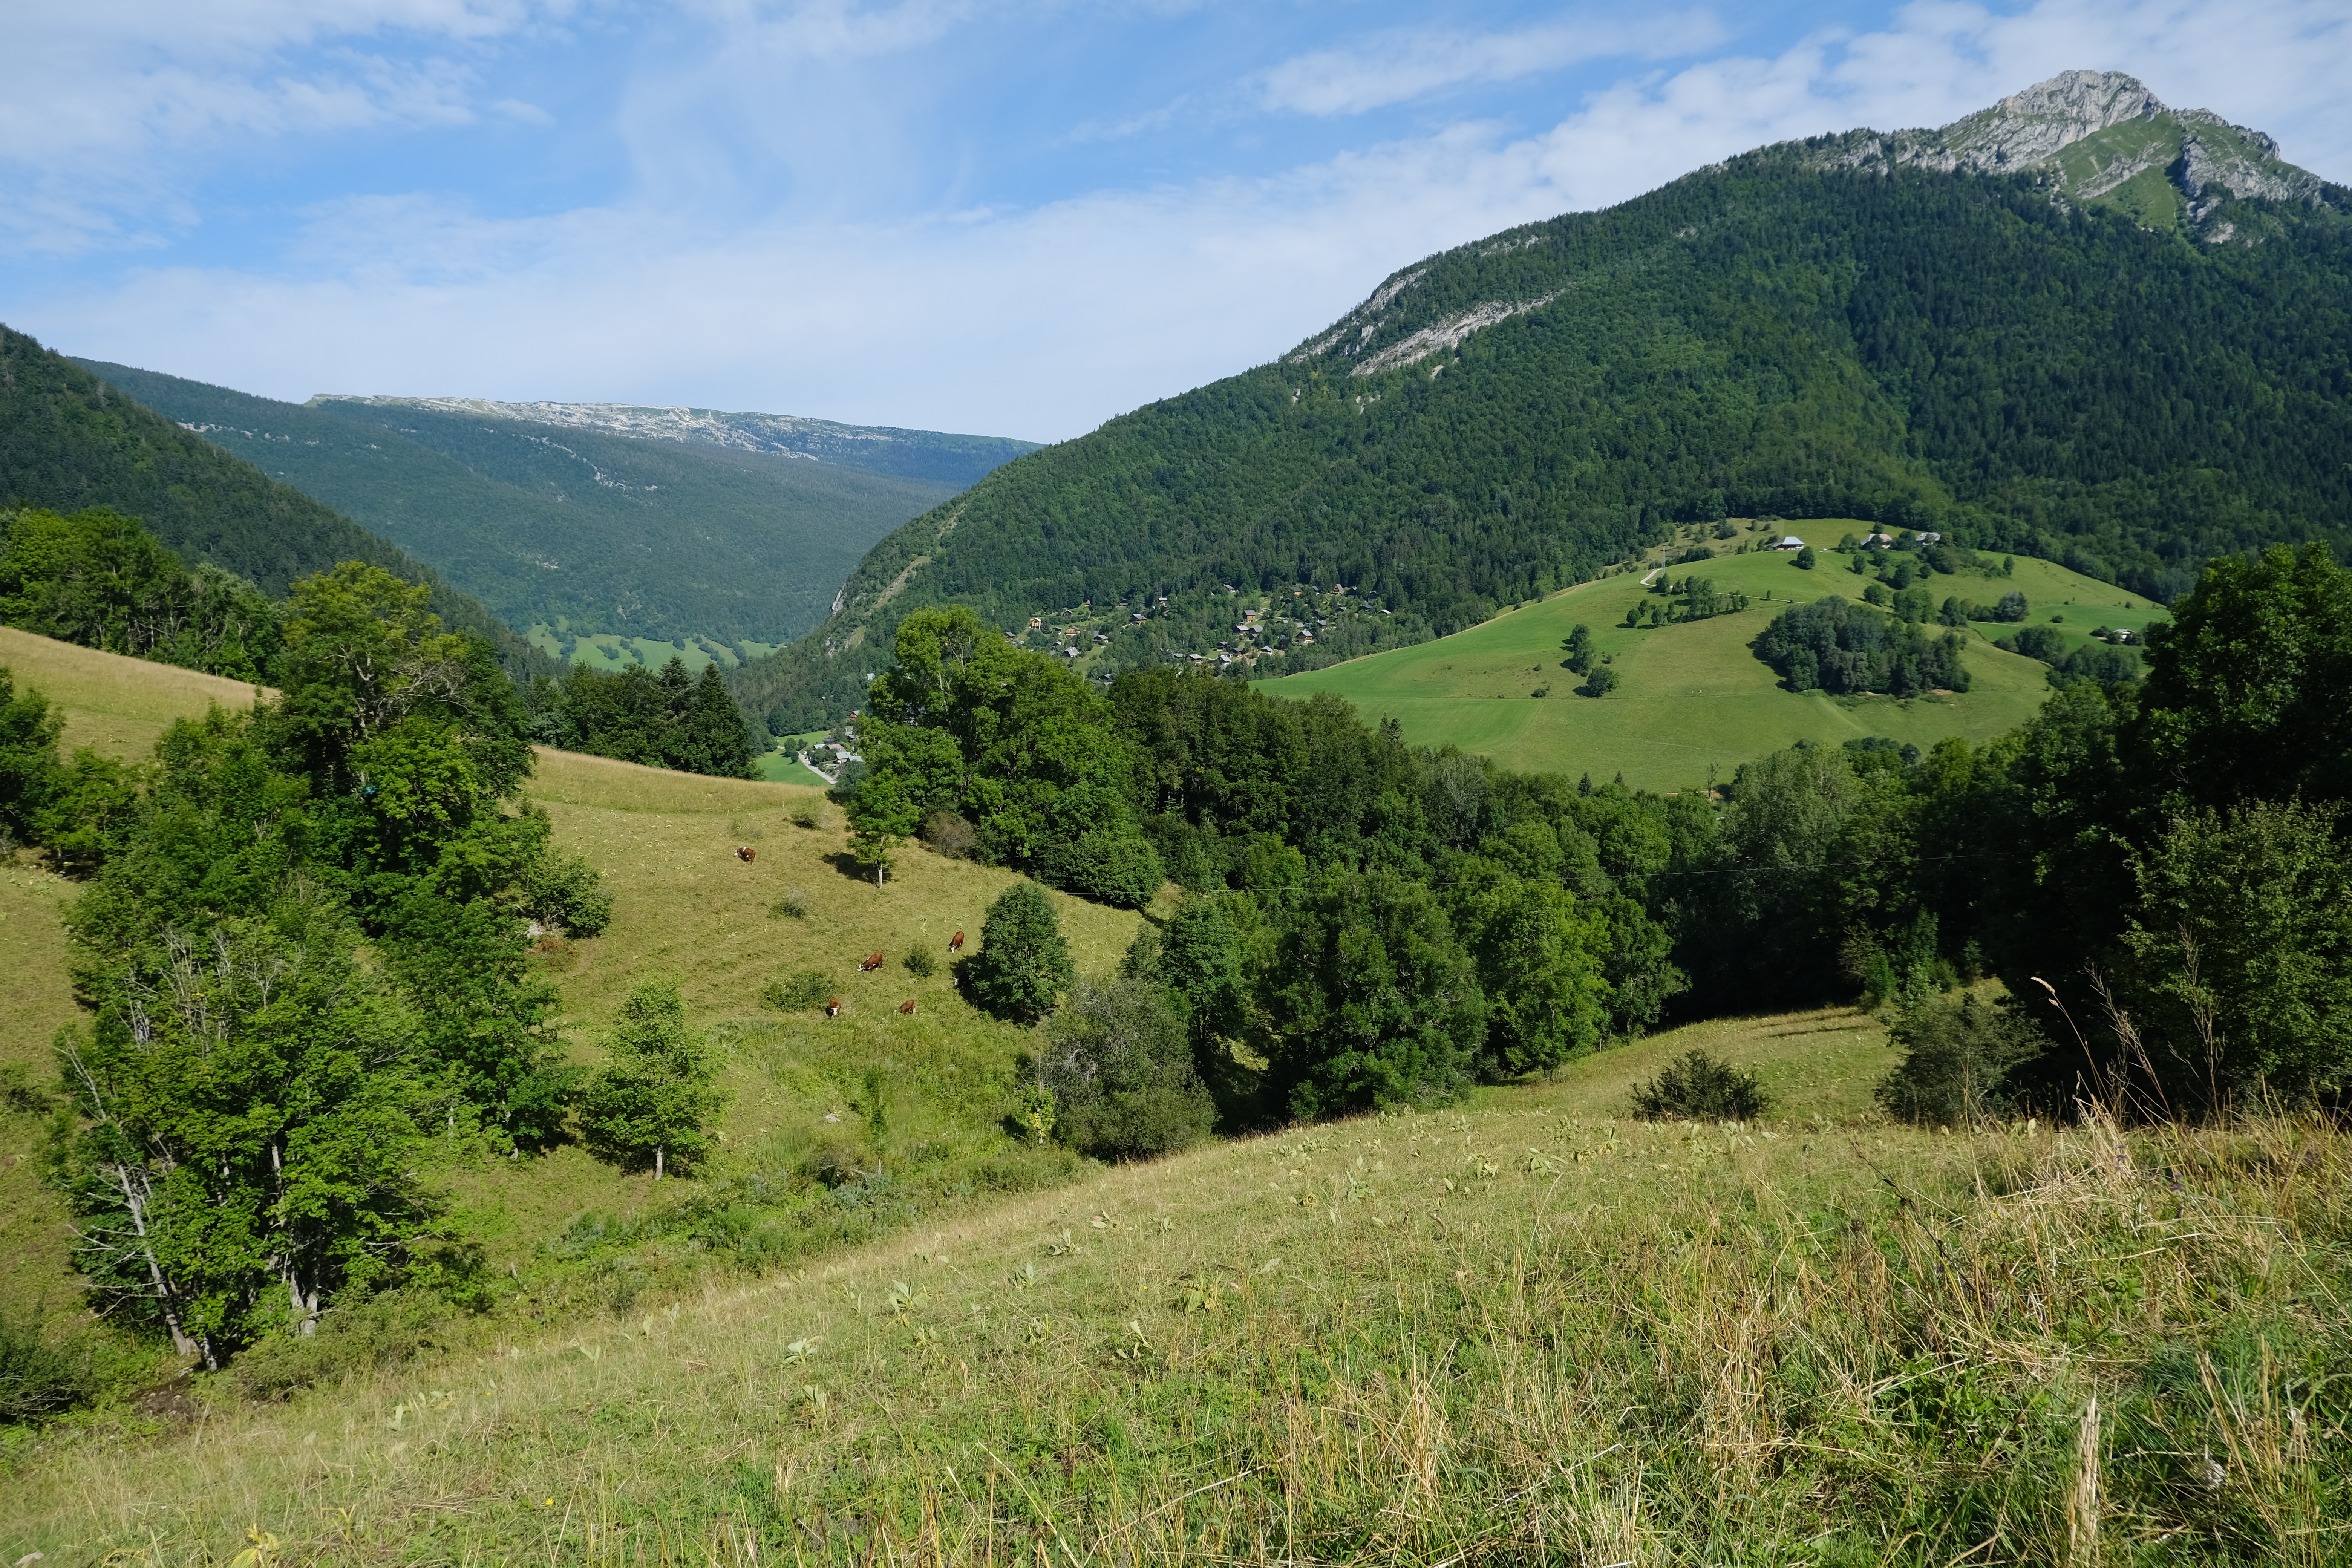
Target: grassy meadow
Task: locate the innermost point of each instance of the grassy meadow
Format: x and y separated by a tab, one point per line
686	909
1694	698
611	652
1528	1330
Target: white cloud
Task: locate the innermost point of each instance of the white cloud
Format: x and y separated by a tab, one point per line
111	101
1044	320
1410	63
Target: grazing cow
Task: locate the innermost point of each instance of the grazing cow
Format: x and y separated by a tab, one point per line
833	1006
746	854
908	1006
955	942
870	964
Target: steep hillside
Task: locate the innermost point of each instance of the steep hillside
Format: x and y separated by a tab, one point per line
571	533
68	441
686	909
1531	1330
2024	358
933	455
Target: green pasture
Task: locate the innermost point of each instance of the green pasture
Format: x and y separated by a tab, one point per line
611	652
782	762
1694	697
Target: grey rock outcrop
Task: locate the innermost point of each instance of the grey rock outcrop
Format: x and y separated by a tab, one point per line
2028	128
2089	133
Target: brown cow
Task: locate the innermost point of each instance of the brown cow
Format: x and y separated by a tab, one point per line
908	1006
746	854
955	942
869	965
833	1006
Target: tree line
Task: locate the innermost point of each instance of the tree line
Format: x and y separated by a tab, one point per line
99	579
303	938
2157	872
70	443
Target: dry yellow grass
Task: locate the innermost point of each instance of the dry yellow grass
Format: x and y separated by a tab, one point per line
685	909
35	1280
1527	1331
113	705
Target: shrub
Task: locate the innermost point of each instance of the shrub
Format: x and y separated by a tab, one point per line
808	813
564	891
920	963
835	1159
1695	1087
1109	865
799	993
37	1378
2035	642
1955	1061
1023	963
1120	1067
1599	683
948	833
376	1334
792	906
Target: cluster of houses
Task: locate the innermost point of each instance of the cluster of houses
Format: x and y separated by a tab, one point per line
827	758
1874	542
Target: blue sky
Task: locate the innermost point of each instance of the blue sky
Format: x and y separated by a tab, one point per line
1016	217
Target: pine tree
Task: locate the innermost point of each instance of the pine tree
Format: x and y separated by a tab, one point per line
652	1104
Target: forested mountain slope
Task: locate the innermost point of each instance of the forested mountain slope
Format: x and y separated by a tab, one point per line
1864	326
934	455
68	441
582	529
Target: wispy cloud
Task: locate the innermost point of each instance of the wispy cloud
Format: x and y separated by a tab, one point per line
1040	317
111	102
1410	63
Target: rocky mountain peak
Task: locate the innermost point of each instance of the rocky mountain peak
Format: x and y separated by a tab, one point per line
2104	137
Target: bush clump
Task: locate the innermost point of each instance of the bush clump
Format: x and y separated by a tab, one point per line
1695	1087
376	1334
800	993
37	1378
947	833
1118	868
2035	642
1120	1068
1832	646
1955	1060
